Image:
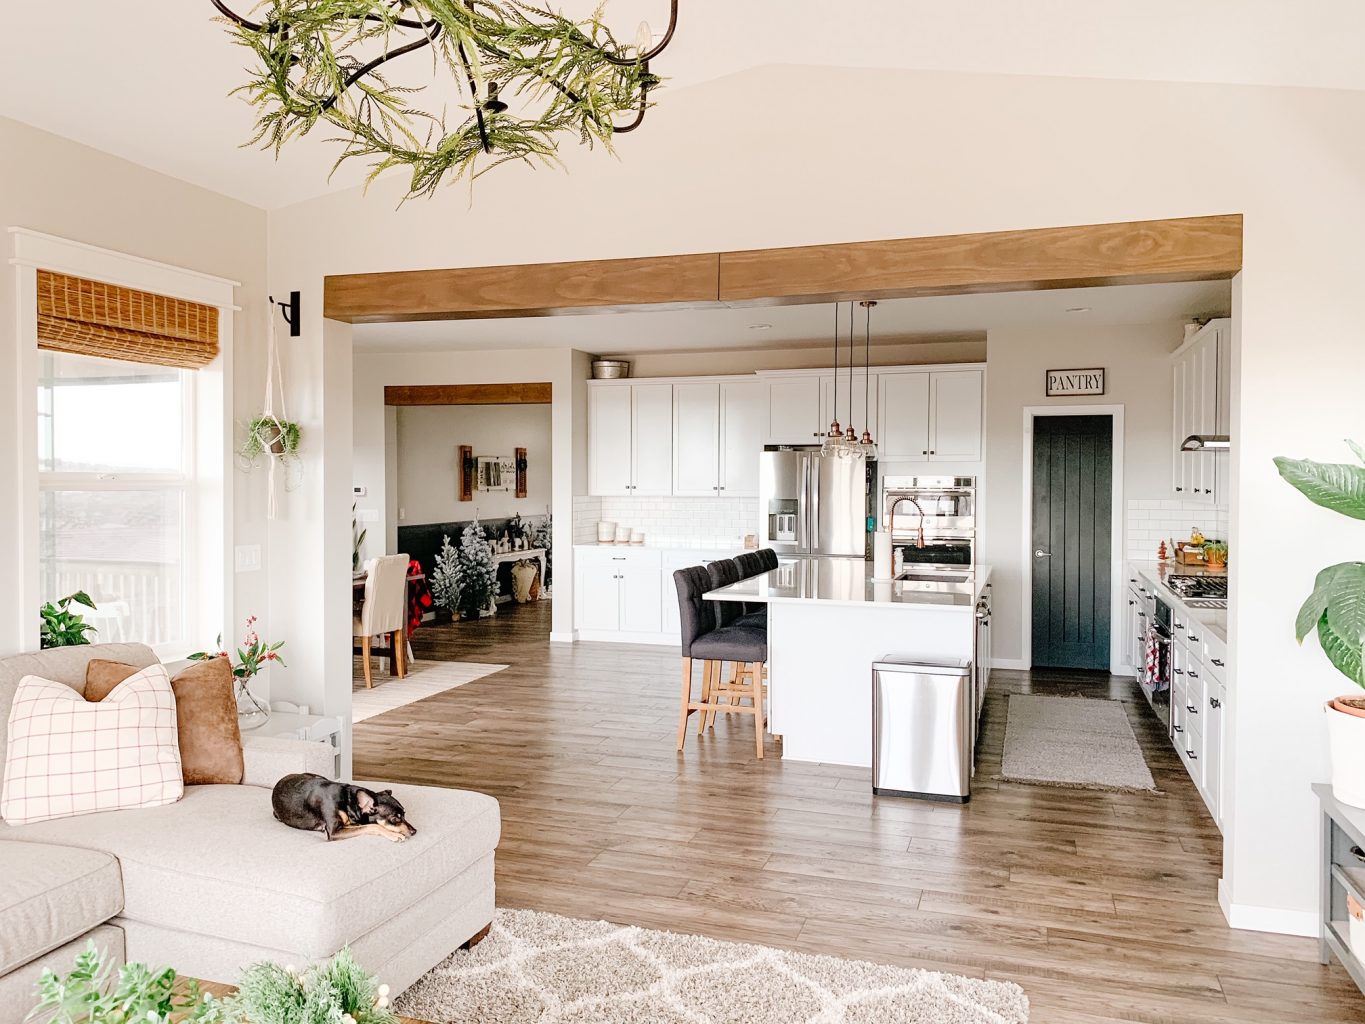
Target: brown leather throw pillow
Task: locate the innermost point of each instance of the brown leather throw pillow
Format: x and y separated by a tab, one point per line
205	714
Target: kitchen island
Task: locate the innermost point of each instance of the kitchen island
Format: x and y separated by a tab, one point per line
828	621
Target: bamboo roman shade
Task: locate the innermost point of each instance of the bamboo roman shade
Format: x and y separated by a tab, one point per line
89	318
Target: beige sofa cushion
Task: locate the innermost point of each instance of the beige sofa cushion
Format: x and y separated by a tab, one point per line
217	863
16	988
64	665
49	895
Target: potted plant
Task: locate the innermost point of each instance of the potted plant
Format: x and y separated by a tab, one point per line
1216	554
478	574
1336	610
445	581
252	656
62	627
269	434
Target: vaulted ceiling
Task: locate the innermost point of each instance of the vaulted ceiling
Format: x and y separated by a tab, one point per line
149	80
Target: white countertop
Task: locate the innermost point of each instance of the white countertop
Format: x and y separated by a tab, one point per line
848	581
1215	620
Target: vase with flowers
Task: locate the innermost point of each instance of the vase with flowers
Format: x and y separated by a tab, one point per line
253	655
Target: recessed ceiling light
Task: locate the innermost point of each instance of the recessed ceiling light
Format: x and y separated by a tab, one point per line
760	327
1078	309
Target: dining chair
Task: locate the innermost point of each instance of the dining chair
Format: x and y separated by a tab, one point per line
384	612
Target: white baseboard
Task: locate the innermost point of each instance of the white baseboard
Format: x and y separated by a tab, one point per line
616	637
1013	664
563	636
1267	919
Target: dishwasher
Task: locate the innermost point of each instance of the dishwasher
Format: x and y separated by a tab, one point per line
923	724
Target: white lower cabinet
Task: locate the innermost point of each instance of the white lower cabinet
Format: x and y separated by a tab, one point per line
625	595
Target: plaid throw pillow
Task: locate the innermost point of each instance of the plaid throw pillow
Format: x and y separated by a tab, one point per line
67	756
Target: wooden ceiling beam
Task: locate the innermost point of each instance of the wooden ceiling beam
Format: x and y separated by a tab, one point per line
469	394
1135	252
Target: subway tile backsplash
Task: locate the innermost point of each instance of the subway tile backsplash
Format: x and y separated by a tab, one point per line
1152	520
670	522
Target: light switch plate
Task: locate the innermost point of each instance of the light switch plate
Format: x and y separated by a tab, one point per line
367	515
247	557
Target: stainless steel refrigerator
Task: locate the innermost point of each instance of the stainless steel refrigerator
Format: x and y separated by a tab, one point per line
813	504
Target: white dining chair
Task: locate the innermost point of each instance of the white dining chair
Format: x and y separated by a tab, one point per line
384	611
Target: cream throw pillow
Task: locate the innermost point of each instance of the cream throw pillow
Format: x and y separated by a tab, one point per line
67	756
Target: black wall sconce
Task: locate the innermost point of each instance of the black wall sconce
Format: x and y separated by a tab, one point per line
290	310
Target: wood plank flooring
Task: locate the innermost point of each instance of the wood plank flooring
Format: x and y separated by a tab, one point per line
1101	905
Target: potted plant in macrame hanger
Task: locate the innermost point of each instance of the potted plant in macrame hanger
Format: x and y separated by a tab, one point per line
1336	611
273	437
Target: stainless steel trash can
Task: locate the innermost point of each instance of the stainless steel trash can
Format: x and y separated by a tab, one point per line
922	713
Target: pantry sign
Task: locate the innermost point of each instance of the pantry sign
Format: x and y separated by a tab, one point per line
1075	382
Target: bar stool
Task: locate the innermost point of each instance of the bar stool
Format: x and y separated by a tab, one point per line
701	638
751	564
767	558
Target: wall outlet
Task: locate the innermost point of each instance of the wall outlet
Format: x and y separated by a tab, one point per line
367	515
402	514
247	557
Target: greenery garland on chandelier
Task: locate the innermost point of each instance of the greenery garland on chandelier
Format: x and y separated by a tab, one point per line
320	60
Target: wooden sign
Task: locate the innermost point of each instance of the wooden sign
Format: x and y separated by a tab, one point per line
1075	382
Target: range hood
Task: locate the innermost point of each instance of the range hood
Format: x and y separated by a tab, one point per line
1206	443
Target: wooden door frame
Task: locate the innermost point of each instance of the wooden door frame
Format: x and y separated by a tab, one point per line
1117	516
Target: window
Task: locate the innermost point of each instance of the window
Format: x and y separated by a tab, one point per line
115	473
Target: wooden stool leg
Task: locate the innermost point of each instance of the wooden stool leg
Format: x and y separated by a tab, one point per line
756	677
686	700
365	653
400	644
708	673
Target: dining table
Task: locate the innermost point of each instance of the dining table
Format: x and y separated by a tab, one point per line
419	601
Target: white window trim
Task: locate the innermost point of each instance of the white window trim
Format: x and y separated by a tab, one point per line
209	504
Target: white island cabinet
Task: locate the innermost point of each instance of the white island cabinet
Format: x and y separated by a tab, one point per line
828	622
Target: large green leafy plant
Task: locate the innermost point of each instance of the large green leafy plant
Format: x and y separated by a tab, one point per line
1336	607
61	627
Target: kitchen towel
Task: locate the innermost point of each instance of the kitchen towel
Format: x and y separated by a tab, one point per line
881	556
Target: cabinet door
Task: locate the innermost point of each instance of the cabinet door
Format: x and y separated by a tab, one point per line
903	405
1180	421
741	438
1222	460
599	595
955	421
696	440
1213	750
652	454
641	597
1205	412
793	410
609	448
863	392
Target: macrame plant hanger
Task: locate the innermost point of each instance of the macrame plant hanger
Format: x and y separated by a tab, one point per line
281	459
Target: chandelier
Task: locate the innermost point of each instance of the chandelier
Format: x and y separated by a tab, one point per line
846	443
521	77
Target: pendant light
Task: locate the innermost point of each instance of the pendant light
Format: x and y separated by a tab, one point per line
851	435
834	431
867	440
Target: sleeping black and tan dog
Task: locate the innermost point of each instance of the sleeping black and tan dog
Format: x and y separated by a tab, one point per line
338	810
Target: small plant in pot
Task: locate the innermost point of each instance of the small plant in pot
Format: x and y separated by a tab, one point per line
1216	554
269	434
1336	611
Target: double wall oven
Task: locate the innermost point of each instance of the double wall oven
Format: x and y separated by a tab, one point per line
932	519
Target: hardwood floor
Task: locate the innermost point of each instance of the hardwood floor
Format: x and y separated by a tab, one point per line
1101	905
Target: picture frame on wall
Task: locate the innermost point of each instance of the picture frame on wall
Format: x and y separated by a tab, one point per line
495	473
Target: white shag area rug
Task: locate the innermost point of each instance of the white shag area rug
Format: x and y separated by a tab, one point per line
539	968
1073	742
424	679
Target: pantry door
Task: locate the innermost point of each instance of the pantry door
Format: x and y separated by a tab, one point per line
1072	537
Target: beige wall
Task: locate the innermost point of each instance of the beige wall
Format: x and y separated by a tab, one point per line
51	185
941	153
1137	377
428	478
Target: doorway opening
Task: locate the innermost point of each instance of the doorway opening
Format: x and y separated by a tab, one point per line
1073	487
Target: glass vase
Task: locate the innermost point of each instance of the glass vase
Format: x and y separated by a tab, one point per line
252	712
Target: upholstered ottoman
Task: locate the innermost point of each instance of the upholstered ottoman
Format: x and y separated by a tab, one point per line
214	883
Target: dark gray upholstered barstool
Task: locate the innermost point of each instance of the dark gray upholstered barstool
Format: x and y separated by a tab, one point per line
701	638
767	558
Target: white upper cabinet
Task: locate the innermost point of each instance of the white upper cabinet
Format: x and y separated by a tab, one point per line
630	440
955	401
652	412
696	440
904	432
830	402
793	411
932	416
742	413
1201	404
610	462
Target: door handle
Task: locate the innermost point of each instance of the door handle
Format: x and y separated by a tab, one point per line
1040	553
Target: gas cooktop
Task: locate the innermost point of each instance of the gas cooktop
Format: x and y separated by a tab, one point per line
1200	591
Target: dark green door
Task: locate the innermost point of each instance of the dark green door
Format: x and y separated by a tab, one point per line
1072	463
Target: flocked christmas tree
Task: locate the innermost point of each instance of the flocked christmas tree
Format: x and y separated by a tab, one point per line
544	537
445	577
478	575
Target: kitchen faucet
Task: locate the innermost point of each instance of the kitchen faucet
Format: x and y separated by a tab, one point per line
891	515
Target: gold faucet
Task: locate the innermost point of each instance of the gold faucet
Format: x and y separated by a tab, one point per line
891	515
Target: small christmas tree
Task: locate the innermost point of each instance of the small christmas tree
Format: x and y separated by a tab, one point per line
544	538
478	575
445	577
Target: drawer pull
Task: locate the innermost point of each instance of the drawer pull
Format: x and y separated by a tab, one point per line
1178	728
1217	661
1358	854
1180	671
1215	703
1192	638
1180	625
1194	674
1193	756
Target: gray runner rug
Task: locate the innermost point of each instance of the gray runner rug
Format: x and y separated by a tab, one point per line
1073	742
